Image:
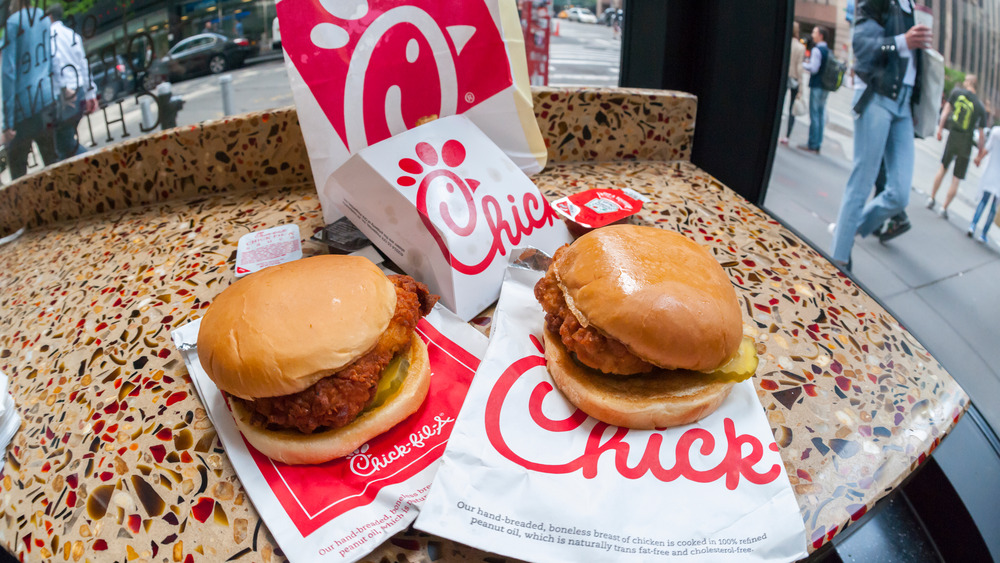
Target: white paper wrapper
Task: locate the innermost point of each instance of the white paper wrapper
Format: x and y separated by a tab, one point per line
10	420
343	509
446	205
527	475
364	70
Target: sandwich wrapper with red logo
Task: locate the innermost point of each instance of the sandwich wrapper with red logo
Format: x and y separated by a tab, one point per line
527	475
343	509
362	71
445	204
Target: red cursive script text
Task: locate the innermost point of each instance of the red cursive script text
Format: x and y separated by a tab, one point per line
693	442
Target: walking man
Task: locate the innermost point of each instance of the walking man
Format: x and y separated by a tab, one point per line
818	58
75	89
963	113
886	43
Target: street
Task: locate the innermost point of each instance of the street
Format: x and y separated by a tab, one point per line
256	87
583	54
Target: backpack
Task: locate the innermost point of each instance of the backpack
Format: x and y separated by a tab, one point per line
961	115
831	76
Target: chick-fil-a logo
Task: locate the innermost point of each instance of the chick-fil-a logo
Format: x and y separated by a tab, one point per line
377	66
695	441
507	218
365	464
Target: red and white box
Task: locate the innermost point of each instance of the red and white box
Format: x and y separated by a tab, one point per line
362	71
446	205
527	475
343	509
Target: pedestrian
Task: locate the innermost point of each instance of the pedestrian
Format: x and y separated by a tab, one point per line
963	113
795	59
75	90
989	184
886	45
28	104
819	56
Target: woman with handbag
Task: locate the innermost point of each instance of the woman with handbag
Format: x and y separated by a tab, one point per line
794	82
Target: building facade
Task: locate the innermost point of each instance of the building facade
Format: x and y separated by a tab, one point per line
966	33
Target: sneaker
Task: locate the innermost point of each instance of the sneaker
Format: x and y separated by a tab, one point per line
930	203
893	229
970	232
831	228
982	238
843	266
807	148
783	141
943	213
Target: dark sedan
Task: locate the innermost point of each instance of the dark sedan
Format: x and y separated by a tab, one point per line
199	54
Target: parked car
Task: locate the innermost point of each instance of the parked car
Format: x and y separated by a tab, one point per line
199	54
113	77
583	15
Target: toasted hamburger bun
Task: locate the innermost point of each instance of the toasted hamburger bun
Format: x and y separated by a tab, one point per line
280	330
642	401
662	295
293	447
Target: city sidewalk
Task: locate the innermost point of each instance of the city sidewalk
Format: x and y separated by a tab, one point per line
941	285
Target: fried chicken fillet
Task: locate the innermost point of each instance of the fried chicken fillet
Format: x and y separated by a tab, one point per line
591	347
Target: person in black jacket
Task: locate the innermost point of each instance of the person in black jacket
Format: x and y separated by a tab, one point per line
886	45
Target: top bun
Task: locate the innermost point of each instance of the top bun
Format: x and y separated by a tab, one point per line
282	329
660	294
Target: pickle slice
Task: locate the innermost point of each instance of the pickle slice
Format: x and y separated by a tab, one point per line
742	365
391	381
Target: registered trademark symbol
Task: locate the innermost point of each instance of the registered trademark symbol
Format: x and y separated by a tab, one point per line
470	97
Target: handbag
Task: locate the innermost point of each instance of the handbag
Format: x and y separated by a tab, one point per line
799	107
925	111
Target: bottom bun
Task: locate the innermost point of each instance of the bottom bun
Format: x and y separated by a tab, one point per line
294	447
639	401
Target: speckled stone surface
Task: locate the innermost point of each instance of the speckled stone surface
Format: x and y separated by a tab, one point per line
622	124
117	460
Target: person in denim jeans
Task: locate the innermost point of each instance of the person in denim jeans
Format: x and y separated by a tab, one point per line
886	44
818	58
989	185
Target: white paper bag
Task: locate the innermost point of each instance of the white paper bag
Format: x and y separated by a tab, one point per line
364	70
925	113
343	509
444	203
527	475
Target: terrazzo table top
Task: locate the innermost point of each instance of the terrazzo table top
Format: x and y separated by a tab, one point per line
117	460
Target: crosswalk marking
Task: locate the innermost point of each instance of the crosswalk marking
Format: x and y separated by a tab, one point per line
566	62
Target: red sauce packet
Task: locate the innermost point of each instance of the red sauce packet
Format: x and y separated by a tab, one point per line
599	207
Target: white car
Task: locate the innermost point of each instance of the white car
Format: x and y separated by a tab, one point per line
582	15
